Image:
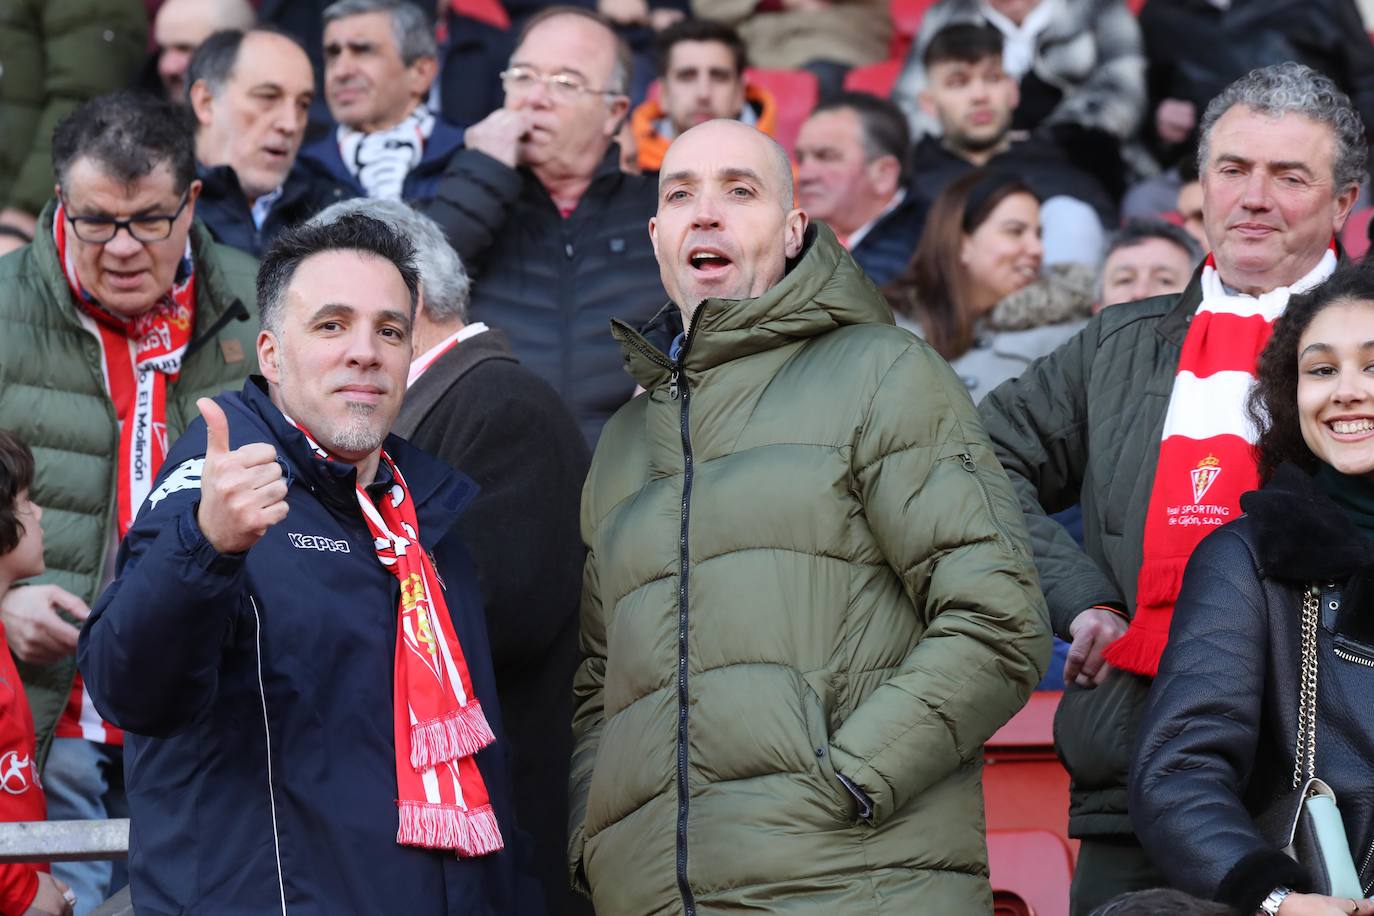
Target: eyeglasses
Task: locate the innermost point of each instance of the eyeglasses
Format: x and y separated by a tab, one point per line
562	87
97	230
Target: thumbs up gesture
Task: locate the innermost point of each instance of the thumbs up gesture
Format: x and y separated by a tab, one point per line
242	492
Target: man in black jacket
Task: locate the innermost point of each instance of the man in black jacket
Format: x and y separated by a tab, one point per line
470	402
250	92
974	99
554	233
1123	418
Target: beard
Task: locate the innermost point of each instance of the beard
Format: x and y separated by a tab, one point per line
361	433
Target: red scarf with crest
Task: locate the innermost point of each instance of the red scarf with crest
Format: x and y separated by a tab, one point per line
437	721
1206	458
138	357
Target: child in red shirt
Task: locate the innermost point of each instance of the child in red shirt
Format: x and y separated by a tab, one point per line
25	890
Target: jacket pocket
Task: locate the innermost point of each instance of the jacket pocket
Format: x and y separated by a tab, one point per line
818	734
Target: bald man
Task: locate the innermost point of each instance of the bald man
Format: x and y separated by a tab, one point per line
180	27
807	601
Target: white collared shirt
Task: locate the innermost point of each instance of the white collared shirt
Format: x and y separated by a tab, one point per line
419	364
857	235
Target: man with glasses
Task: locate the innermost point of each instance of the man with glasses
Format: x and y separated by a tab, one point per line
121	313
380	59
550	228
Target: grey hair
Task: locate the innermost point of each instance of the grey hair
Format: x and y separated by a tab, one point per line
443	279
413	30
1292	87
1138	230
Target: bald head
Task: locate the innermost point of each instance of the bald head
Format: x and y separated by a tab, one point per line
726	225
180	27
726	135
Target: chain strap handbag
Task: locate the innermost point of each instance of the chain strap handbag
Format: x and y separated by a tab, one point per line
1306	823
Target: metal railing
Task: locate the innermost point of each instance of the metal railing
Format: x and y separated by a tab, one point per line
70	841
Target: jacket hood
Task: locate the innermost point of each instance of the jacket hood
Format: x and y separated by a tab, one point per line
823	290
1063	293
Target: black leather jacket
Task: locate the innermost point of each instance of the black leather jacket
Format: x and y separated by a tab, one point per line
1218	738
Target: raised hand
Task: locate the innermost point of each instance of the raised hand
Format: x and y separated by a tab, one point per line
242	492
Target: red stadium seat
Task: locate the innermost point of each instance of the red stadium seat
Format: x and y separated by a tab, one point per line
1031	869
877	79
796	92
1355	235
906	22
1135	6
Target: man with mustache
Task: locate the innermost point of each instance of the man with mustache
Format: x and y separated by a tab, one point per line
121	313
380	59
295	642
808	598
550	228
1141	417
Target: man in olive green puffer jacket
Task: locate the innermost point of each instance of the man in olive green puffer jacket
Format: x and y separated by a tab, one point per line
125	164
808	596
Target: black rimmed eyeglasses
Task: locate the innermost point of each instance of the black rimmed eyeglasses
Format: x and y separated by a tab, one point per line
97	230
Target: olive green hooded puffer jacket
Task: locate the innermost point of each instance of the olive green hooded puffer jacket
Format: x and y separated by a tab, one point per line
804	561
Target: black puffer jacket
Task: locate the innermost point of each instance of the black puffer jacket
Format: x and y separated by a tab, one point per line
551	283
1219	734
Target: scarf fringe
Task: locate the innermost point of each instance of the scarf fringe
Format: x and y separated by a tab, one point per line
468	831
1138	650
454	735
1160	581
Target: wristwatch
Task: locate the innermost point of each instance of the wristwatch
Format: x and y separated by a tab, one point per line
1270	905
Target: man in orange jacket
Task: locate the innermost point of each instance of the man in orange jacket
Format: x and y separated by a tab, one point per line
701	77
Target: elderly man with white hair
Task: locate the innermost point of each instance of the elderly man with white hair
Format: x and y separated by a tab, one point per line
470	402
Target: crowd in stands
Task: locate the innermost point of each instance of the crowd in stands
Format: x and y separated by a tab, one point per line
1085	218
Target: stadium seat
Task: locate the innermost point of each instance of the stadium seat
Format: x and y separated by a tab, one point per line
1030	869
877	79
1135	6
906	22
796	92
1355	235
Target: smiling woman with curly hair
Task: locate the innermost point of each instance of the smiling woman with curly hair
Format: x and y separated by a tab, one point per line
1282	595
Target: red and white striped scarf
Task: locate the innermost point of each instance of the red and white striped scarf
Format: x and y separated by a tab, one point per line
437	720
138	358
1206	457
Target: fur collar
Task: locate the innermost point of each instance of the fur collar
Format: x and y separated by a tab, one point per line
1302	537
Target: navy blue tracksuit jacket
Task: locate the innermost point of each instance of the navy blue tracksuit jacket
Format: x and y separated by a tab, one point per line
256	691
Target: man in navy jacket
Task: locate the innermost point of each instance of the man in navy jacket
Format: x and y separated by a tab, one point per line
248	644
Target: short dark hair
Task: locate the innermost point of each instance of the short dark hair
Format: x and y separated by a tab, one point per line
128	134
1162	900
965	42
624	62
1273	402
214	60
698	30
884	126
354	232
16	476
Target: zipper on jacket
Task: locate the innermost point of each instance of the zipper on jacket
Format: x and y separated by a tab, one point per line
679	383
971	466
267	736
1352	657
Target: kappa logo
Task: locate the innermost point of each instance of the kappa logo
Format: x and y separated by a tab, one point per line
1204	475
15	773
317	542
185	477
